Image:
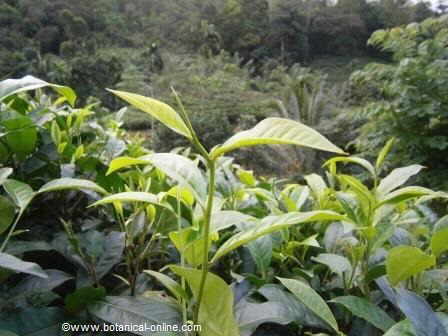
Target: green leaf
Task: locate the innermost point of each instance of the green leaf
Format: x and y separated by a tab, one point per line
439	242
175	288
316	184
405	194
21	136
405	261
12	86
130	197
336	263
402	328
4	174
182	170
7	211
311	300
35	322
148	312
216	311
397	177
71	183
82	297
21	193
383	153
352	159
227	218
261	251
366	310
12	263
295	310
160	111
124	162
273	131
272	224
189	244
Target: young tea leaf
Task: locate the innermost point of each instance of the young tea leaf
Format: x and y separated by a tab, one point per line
216	311
160	111
273	131
405	261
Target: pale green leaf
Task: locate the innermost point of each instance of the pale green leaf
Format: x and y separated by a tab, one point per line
273	131
404	194
311	300
227	218
397	177
404	262
71	184
124	162
439	242
272	224
182	170
336	263
216	311
12	86
143	197
366	310
21	193
4	174
383	153
160	111
352	159
189	244
316	184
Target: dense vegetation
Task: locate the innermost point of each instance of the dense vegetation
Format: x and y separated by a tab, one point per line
283	187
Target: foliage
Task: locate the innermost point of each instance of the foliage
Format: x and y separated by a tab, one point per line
410	97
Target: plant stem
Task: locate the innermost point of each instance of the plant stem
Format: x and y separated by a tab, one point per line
208	214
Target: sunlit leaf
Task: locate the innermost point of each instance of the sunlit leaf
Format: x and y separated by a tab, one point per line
273	131
397	177
405	261
272	224
70	184
439	242
216	311
352	159
21	193
12	86
182	170
160	111
124	162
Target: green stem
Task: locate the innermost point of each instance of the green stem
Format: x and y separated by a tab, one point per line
208	214
182	263
11	231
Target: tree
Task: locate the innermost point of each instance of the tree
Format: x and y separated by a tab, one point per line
412	96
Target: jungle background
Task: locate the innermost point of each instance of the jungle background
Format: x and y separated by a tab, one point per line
233	63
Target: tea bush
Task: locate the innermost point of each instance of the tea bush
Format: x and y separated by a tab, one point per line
190	235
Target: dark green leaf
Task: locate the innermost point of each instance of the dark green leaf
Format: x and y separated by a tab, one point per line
366	310
12	263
